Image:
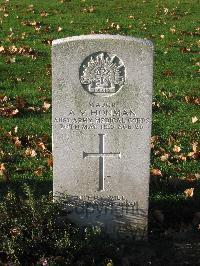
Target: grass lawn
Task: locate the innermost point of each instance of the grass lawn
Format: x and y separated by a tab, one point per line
26	31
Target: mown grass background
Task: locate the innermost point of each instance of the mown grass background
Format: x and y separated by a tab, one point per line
26	31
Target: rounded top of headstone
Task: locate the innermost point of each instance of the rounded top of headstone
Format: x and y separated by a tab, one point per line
103	37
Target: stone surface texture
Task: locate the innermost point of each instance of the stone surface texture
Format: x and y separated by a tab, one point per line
102	104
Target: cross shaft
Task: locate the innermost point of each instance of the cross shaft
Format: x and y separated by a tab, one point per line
101	155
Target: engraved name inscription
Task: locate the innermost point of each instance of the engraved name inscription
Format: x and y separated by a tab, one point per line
102	116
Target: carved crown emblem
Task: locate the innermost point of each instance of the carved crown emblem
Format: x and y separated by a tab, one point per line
101	74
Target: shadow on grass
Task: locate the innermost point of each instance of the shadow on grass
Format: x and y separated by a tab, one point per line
38	187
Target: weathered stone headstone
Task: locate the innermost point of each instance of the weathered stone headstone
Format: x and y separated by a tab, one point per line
102	89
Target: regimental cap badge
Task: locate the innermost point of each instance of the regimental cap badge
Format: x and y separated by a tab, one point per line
102	74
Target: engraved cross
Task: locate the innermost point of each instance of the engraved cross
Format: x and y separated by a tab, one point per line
101	154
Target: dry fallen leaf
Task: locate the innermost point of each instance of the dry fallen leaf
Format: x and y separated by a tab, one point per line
3	98
193	155
197	175
167	73
44	14
30	152
8	111
189	192
195	146
15	129
154	138
59	29
164	157
91	9
176	148
50	162
192	99
41	145
38	171
156	172
2	169
117	27
182	157
2	49
172	30
194	119
17	142
46	106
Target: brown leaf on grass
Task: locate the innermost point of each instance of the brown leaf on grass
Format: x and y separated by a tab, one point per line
15	232
156	172
15	129
50	162
46	106
43	14
189	192
48	69
194	119
176	149
172	30
47	28
17	142
2	49
193	100
90	9
3	98
182	157
31	109
193	155
30	152
191	178
164	157
30	23
185	49
197	175
48	42
190	33
154	141
168	73
41	145
194	146
155	105
2	169
38	171
8	111
13	50
166	94
59	29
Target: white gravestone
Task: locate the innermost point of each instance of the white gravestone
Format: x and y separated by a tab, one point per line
102	104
